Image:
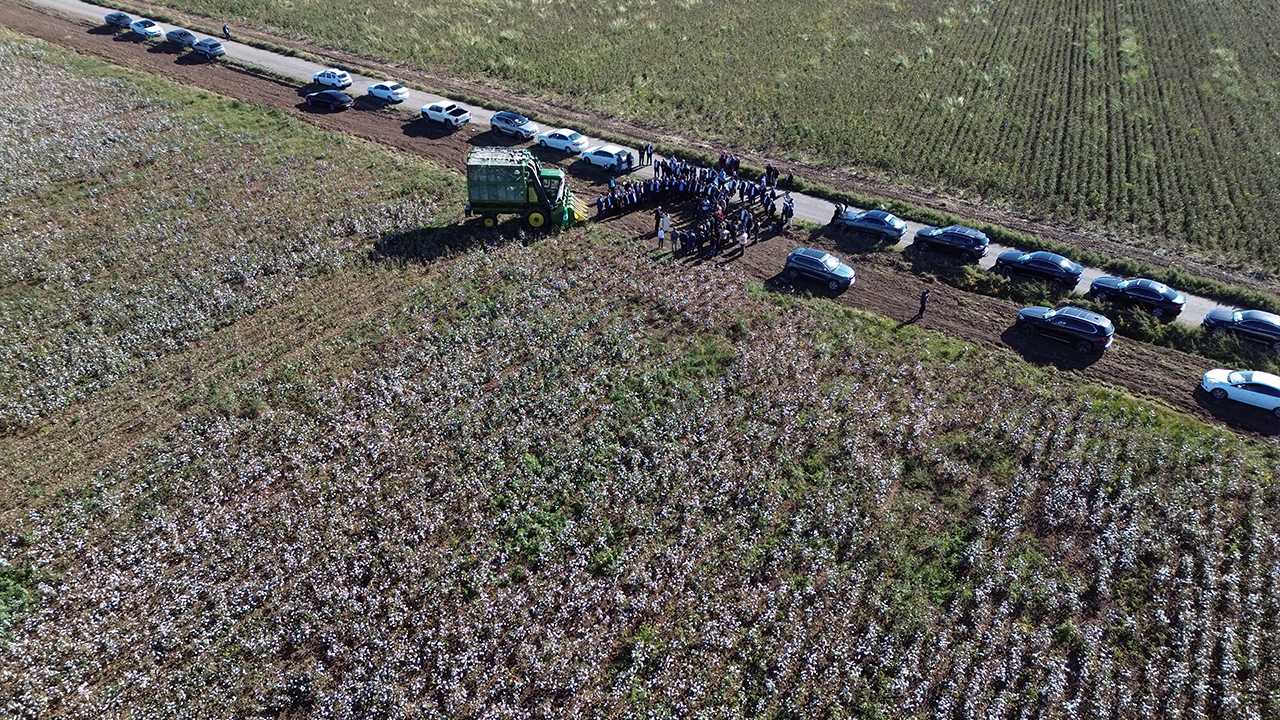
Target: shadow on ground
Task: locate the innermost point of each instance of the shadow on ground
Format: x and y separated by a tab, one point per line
425	245
421	127
1040	350
1239	415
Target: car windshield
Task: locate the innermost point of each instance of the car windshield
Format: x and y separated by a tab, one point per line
575	136
830	262
145	23
1236	377
394	86
517	120
1237	316
1024	257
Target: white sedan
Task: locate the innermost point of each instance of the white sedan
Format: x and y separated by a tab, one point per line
447	112
1252	387
609	157
333	77
390	91
146	28
564	139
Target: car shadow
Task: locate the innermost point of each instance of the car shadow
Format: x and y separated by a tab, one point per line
421	127
165	48
802	286
193	58
1239	415
1042	351
105	29
311	87
369	103
551	156
493	138
129	36
852	241
315	109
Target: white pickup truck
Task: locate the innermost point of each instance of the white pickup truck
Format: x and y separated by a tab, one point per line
447	112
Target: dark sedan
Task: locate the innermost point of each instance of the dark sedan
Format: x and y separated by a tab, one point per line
883	225
1086	331
1156	297
955	237
119	19
1251	325
332	99
1041	266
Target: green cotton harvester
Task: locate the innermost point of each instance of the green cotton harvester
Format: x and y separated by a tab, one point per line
511	181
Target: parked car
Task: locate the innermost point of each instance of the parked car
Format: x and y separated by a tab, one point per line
146	28
1086	331
178	36
885	226
389	91
119	19
1041	266
1157	297
509	123
1251	325
563	139
333	77
211	49
448	113
332	99
955	237
1251	387
610	157
820	266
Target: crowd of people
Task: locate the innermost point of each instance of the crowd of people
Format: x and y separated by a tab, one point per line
730	210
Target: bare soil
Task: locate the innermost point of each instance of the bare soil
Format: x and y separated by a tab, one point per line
885	283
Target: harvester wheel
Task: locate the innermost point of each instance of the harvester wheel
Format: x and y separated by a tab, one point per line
489	220
536	219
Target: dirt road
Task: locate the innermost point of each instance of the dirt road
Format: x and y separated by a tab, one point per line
885	284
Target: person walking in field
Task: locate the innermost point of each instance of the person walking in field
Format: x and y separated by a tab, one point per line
657	220
924	303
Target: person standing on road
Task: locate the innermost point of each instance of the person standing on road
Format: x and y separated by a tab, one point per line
924	303
226	32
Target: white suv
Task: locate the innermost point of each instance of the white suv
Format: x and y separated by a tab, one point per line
333	77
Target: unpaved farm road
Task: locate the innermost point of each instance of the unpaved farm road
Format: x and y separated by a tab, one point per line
811	209
886	284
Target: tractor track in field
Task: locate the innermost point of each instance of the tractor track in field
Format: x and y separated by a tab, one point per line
886	284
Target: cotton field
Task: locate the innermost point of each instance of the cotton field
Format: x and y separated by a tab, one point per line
560	478
577	484
139	220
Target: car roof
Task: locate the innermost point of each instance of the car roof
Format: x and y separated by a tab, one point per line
1262	315
810	252
962	230
877	214
611	149
1086	315
1051	257
1258	376
1149	284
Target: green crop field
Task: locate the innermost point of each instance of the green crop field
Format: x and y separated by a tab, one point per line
1156	118
270	457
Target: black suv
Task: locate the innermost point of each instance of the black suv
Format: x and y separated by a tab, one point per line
1252	325
956	237
817	265
1087	331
